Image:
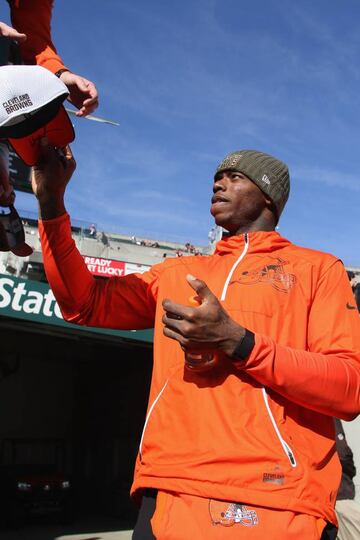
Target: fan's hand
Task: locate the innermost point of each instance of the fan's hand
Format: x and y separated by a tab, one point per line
83	93
8	31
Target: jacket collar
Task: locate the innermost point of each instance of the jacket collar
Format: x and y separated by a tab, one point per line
259	242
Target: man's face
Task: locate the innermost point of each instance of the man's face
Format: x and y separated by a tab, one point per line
237	202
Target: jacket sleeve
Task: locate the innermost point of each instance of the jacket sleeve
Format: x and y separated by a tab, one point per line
326	376
33	17
126	303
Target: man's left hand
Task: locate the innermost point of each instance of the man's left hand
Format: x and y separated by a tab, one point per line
207	327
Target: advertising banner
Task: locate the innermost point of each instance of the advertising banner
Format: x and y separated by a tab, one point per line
104	267
35	302
108	267
131	268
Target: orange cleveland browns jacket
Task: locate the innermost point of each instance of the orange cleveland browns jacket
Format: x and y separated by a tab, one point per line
258	432
33	18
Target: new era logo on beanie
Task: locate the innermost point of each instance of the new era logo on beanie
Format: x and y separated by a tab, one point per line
31	100
269	173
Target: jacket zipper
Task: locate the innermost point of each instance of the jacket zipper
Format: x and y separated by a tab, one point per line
148	416
237	262
288	452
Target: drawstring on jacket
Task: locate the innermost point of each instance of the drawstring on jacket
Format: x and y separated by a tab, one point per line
237	262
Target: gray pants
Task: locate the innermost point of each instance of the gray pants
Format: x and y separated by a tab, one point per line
348	514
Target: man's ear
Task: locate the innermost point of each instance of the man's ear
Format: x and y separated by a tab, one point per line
271	206
267	198
269	202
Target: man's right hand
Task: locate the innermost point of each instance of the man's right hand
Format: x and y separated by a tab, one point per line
11	33
50	177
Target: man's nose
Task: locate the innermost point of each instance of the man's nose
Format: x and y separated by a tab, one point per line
219	184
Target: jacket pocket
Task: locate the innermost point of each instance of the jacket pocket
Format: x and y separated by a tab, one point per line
286	448
153	405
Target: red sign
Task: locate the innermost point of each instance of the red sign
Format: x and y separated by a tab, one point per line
104	267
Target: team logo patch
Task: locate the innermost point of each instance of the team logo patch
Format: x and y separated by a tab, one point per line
272	273
230	513
17	103
273	478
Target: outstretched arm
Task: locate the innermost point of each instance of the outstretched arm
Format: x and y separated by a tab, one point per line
125	303
32	19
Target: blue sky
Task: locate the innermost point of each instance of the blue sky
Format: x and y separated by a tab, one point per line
192	80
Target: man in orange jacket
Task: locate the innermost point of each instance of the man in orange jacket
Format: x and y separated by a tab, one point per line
31	21
238	441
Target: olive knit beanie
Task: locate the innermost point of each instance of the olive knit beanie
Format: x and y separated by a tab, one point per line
269	173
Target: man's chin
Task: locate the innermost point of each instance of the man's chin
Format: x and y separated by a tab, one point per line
220	220
224	223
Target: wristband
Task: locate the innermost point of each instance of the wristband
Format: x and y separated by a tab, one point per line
58	73
244	347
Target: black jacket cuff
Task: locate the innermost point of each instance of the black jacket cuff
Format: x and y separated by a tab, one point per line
244	347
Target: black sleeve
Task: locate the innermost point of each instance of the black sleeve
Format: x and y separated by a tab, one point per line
347	487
